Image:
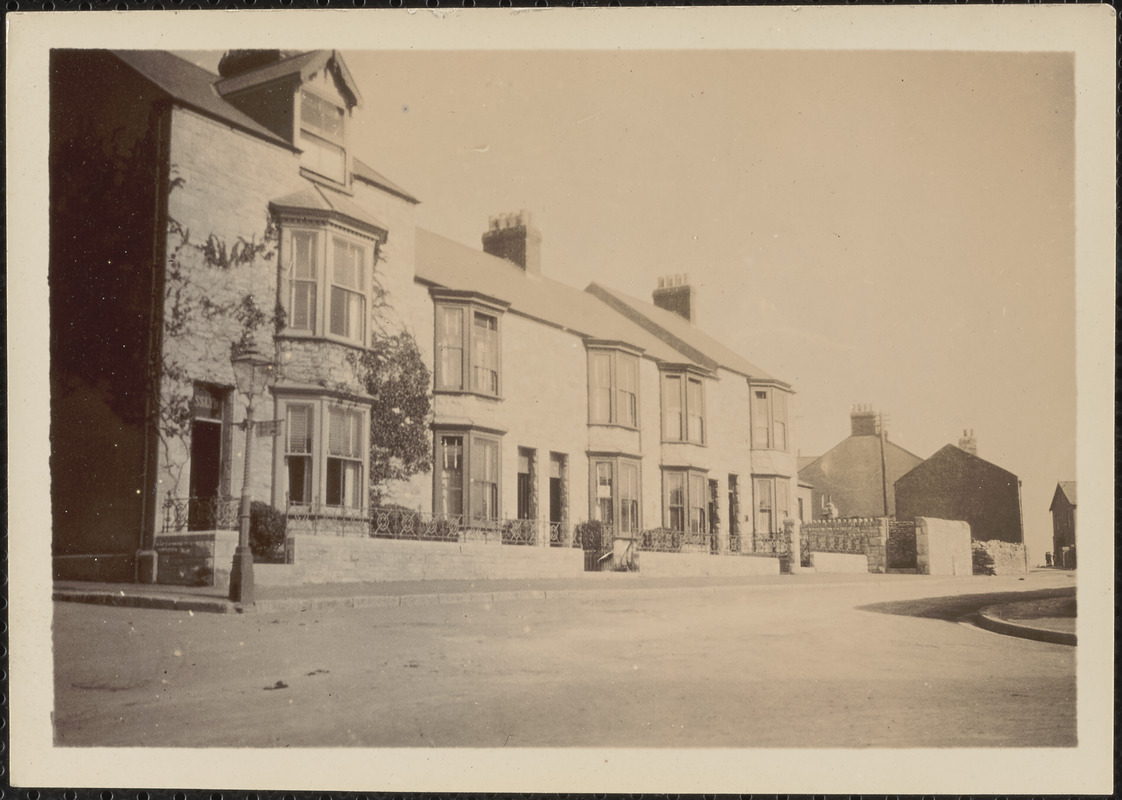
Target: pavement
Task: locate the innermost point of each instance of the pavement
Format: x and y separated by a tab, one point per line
1051	620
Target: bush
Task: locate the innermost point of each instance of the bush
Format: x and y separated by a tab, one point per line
266	533
589	535
983	561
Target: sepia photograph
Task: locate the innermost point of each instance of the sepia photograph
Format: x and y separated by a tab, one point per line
659	400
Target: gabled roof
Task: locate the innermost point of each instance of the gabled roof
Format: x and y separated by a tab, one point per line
1065	488
679	334
302	66
323	201
364	172
193	87
952	453
442	262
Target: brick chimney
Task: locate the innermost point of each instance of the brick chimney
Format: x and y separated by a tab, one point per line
675	294
511	236
968	442
863	421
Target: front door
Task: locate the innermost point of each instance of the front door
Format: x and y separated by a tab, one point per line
207	408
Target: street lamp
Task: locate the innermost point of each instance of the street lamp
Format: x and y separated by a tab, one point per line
253	373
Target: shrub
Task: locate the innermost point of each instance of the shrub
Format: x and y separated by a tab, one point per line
983	561
589	535
266	532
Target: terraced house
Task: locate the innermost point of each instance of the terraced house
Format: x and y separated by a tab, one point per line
215	215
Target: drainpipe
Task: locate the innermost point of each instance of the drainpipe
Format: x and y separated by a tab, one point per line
146	556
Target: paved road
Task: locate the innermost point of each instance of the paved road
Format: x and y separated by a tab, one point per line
865	664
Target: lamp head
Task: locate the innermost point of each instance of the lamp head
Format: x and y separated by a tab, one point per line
253	371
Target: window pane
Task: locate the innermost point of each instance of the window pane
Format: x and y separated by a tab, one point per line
322	157
675	487
698	500
604	492
334	482
600	380
321	116
344	433
782	510
779	412
485	354
452	475
695	408
450	344
304	255
299	479
672	407
760	428
627	375
299	438
485	479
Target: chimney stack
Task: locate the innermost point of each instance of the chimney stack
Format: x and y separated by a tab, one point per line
675	294
863	421
511	236
968	442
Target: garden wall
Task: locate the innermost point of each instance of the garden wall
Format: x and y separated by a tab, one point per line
866	536
705	565
202	558
1008	558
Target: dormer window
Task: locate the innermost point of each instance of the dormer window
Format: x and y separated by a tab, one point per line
321	136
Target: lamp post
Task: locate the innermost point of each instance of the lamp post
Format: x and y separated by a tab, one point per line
253	374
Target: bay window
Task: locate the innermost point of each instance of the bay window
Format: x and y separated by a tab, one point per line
769	419
325	455
615	494
328	281
773	504
685	500
683	408
468	354
613	387
472	456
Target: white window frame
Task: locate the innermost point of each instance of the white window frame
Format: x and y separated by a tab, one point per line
622	405
688	409
323	151
773	493
695	495
480	484
623	495
317	451
466	346
321	283
771	428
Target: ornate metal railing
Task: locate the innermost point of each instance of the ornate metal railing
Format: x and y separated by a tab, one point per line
770	544
664	540
324	520
183	514
399	523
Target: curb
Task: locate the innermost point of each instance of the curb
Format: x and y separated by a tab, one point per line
210	606
988	619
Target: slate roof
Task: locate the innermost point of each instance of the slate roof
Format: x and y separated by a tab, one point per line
679	334
365	172
303	65
196	88
442	262
953	453
192	86
1067	488
320	198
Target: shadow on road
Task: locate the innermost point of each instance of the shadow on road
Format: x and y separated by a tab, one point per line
955	607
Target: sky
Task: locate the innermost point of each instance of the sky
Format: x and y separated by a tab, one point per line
893	228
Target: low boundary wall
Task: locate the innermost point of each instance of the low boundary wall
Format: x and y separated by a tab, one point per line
202	558
705	565
839	562
866	536
330	559
1008	558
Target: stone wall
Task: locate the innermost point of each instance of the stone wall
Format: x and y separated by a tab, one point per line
330	559
867	535
203	558
1008	559
705	565
943	547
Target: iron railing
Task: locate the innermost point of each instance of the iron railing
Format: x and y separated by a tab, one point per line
200	514
324	520
771	544
664	540
398	523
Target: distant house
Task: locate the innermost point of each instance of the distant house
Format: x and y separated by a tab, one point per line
1063	524
858	475
956	484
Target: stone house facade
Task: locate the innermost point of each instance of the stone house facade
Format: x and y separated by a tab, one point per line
248	221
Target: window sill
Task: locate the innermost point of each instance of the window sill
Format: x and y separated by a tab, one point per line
468	393
618	425
684	441
307	336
